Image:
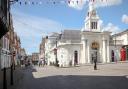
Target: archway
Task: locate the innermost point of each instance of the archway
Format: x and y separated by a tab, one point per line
95	51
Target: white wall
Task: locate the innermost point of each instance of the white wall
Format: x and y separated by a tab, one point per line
4	53
116	53
66	54
103	51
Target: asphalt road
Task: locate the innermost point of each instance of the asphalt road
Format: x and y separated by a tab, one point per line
108	76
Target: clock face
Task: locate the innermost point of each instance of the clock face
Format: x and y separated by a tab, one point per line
94	12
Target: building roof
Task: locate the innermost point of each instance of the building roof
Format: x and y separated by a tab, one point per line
35	53
73	35
121	33
53	34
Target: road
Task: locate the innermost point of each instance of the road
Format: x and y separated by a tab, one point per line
108	76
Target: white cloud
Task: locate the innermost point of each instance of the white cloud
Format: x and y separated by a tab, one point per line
104	3
77	5
125	19
98	3
32	28
100	22
112	28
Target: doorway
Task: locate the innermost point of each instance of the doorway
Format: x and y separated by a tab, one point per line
95	51
75	57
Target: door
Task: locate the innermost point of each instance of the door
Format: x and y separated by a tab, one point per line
75	57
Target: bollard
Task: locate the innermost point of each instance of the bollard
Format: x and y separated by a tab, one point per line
4	79
11	75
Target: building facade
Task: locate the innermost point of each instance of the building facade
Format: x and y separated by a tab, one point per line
4	16
75	47
118	41
42	49
5	52
35	58
23	55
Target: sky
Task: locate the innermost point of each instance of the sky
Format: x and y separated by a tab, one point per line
34	21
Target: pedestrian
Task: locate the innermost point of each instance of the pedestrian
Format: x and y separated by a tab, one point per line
43	62
22	61
112	56
92	59
39	63
95	61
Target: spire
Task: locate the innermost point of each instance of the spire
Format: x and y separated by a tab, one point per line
91	5
92	19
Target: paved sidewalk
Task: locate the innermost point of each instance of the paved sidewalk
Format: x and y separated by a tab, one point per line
108	76
18	75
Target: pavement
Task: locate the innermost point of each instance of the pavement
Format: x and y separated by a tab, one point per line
107	76
17	76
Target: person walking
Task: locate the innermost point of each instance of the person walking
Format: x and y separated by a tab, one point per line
43	62
92	59
112	55
95	61
40	63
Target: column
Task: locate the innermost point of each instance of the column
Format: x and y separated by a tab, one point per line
88	53
104	51
108	51
83	52
86	45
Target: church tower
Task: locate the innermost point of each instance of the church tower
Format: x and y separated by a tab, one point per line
92	19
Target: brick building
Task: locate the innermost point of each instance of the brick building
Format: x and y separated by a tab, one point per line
35	58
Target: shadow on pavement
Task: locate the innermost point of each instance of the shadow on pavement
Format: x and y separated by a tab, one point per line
72	82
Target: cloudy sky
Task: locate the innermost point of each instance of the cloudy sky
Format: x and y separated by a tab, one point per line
38	18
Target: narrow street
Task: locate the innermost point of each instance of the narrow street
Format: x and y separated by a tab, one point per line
108	76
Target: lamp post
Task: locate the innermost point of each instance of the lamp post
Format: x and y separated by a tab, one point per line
115	54
115	40
4	74
56	53
11	46
57	38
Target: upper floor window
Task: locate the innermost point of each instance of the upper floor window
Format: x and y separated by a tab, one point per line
93	25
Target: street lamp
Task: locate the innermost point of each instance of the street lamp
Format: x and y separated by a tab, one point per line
56	52
115	54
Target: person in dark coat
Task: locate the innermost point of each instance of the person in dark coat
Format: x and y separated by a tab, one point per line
95	61
112	56
92	59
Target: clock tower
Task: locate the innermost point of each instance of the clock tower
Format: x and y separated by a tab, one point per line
92	19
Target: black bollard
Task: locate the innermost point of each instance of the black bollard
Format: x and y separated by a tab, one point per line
11	75
95	66
4	79
95	61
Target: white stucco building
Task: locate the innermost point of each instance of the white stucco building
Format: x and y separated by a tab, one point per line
76	47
